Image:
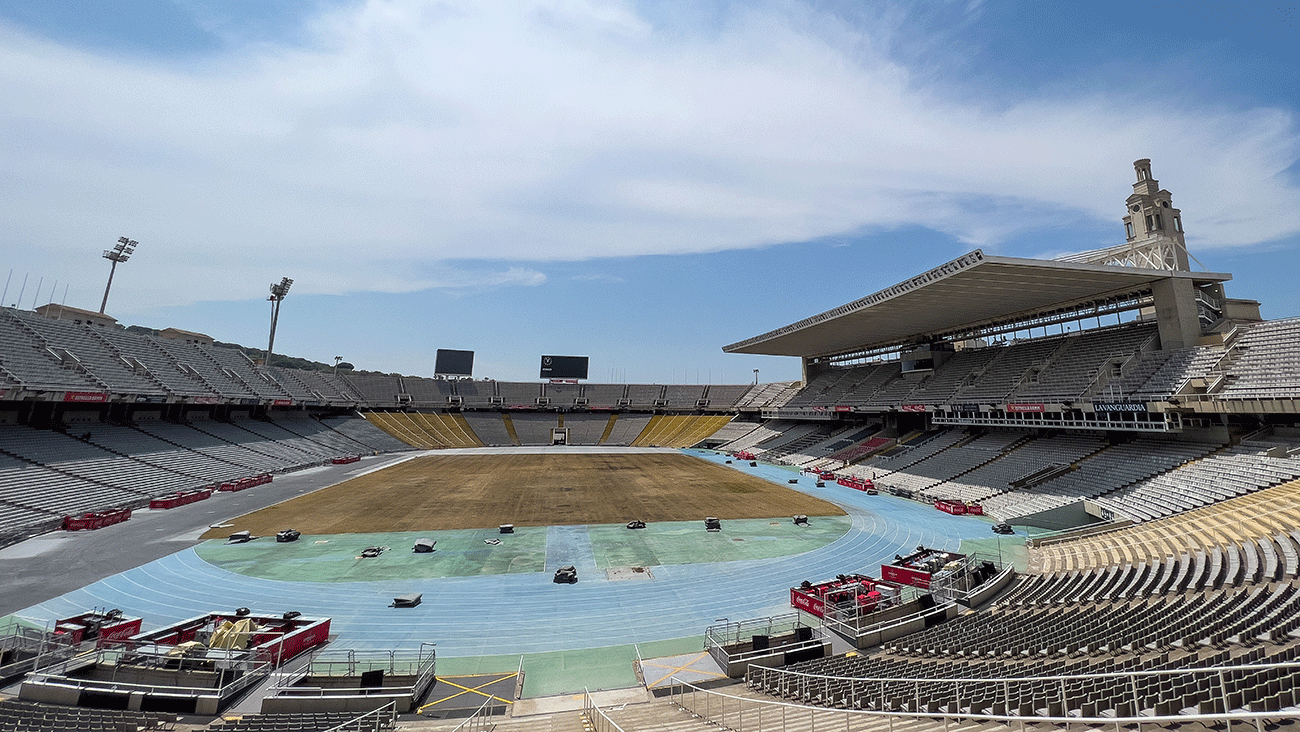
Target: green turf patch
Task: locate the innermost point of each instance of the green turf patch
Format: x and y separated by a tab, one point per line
464	553
478	665
337	557
569	672
686	542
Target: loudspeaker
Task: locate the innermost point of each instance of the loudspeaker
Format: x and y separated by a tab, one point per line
761	643
372	679
925	602
803	633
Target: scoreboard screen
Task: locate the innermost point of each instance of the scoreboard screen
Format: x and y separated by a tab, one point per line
564	367
454	363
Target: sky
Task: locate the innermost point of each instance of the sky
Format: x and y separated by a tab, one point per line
637	182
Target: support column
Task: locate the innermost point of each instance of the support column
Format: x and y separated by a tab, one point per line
1180	326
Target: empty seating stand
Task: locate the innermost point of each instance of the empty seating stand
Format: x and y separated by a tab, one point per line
20	716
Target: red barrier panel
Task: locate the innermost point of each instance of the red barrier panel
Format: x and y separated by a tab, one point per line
955	508
858	484
345	460
180	498
863	592
95	520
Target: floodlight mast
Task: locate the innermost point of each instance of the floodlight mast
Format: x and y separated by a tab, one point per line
278	293
119	253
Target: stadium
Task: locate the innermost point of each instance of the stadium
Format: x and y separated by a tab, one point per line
1006	491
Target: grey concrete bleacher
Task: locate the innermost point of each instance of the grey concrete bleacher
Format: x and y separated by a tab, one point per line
273	439
91	462
1266	365
762	396
490	428
793	452
604	395
627	428
795	431
89	352
31	486
643	396
1226	474
351	428
534	428
586	429
683	396
898	390
235	363
733	431
838	441
515	392
1006	369
725	396
765	431
380	390
294	384
1104	471
1081	359
328	386
475	393
944	465
953	374
562	395
817	386
870	381
226	461
996	476
23	716
909	452
430	392
248	449
196	360
26	361
161	365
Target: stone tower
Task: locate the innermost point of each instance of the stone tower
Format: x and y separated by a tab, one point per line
1152	223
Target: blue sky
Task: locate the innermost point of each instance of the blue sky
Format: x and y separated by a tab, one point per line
642	183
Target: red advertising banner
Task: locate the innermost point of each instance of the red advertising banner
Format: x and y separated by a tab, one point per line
85	396
807	603
281	402
913	407
1026	408
905	576
205	400
837	408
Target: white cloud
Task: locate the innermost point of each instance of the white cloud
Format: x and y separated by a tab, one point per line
405	134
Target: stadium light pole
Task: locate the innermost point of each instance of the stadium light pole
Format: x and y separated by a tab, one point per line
336	363
755	377
119	253
278	293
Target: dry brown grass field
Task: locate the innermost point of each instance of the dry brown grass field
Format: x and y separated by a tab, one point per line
484	491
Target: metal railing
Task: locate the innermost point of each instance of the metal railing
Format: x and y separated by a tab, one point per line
1151	697
750	715
598	720
224	672
378	720
345	663
481	719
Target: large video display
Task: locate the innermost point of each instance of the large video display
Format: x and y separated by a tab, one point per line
454	363
564	367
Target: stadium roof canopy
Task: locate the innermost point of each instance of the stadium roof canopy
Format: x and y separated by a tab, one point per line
971	293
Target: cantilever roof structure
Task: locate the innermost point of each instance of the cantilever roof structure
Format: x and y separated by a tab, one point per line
971	292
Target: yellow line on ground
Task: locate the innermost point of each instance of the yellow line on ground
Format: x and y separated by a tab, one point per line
468	690
683	667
